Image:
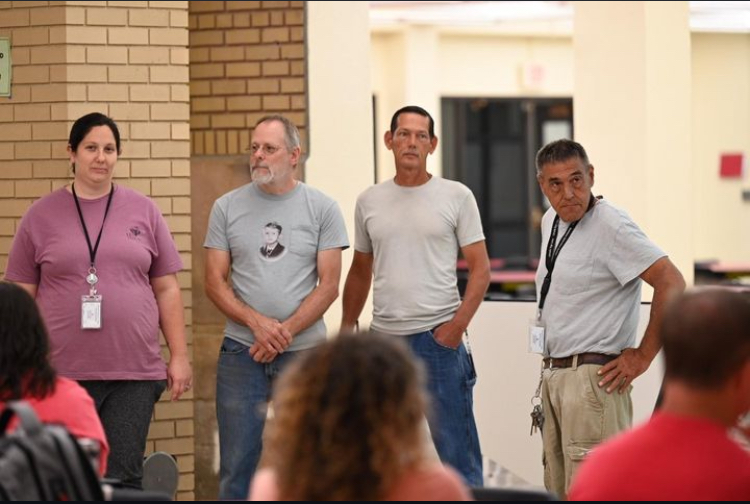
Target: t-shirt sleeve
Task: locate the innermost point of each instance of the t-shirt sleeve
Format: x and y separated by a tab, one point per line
86	424
632	252
333	229
167	259
22	266
469	223
362	242
216	235
71	406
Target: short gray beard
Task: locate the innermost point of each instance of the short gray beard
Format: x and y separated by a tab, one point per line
261	179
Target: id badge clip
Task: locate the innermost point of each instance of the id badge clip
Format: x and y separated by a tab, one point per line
536	335
91	305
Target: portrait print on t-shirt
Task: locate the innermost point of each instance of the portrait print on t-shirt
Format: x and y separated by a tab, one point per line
272	249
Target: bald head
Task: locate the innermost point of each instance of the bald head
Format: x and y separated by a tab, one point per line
706	336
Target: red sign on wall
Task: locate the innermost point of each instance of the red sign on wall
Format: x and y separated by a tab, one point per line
732	165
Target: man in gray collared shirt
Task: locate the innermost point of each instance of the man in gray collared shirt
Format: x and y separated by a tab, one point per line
589	311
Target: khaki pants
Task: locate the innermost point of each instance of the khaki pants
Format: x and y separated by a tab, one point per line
577	416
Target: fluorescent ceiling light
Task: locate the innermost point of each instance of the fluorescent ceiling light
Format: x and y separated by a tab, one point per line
704	16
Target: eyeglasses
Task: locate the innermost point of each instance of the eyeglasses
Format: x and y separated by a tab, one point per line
267	149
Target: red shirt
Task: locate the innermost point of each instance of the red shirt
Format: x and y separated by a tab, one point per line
71	406
670	457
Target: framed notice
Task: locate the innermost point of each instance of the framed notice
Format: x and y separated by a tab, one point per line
4	66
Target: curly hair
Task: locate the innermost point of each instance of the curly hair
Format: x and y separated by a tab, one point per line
25	369
347	420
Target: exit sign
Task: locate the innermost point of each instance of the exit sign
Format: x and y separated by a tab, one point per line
4	66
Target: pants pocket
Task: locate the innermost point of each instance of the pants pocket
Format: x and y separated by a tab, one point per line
578	450
159	387
440	345
231	347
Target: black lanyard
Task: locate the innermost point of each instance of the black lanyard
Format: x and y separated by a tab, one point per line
92	251
553	252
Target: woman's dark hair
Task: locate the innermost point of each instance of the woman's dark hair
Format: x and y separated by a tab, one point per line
25	369
85	124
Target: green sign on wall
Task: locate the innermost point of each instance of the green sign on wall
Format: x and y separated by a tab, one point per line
4	67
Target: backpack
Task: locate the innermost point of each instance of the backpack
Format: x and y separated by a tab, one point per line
42	462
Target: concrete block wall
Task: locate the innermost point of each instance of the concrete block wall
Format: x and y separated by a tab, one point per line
129	60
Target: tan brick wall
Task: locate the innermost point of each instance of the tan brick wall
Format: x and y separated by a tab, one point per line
128	60
246	60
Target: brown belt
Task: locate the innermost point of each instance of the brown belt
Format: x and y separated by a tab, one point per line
583	358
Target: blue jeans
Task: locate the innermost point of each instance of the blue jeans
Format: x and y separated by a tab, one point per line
243	388
450	380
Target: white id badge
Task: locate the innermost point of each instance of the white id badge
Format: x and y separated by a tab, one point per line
91	312
536	337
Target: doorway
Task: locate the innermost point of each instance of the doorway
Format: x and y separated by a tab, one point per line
490	145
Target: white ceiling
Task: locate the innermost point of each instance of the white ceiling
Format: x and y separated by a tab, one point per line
550	17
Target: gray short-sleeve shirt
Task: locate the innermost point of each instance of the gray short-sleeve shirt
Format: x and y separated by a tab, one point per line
592	305
275	278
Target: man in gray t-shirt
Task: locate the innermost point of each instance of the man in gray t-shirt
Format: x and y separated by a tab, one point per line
409	231
589	289
280	242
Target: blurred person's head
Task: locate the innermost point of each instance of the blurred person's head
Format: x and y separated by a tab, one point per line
347	419
24	347
706	337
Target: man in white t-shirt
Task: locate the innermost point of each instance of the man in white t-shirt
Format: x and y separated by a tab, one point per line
409	231
588	311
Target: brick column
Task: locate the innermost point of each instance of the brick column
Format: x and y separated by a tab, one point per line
128	60
247	59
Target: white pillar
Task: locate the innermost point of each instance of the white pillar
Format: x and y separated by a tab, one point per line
421	49
407	66
341	158
632	110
